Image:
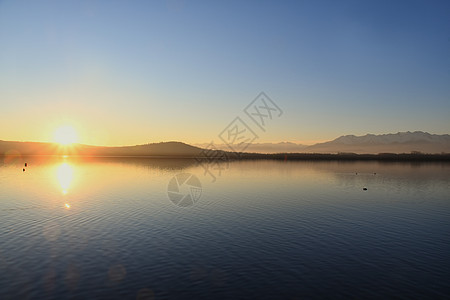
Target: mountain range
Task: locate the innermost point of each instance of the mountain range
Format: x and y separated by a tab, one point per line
401	142
170	149
283	147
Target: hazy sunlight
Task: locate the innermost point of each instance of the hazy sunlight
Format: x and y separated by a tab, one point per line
65	135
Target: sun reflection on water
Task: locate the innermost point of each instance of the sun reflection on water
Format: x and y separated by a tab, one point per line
65	175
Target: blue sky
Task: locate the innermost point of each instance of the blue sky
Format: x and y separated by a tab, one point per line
131	72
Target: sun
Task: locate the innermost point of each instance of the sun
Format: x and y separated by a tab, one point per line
65	135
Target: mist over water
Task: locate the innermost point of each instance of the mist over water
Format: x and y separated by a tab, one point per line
108	228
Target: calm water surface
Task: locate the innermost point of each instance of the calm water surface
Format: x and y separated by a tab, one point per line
106	228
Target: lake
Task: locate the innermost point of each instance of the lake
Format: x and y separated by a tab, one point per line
143	228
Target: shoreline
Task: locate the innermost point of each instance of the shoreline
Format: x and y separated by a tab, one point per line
232	156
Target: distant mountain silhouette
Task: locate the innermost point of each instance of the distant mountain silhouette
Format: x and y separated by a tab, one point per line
285	147
175	149
401	142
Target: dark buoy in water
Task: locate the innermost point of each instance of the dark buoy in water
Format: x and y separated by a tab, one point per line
364	189
375	173
23	170
26	165
356	173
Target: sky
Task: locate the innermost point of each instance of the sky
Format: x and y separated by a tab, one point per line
135	72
